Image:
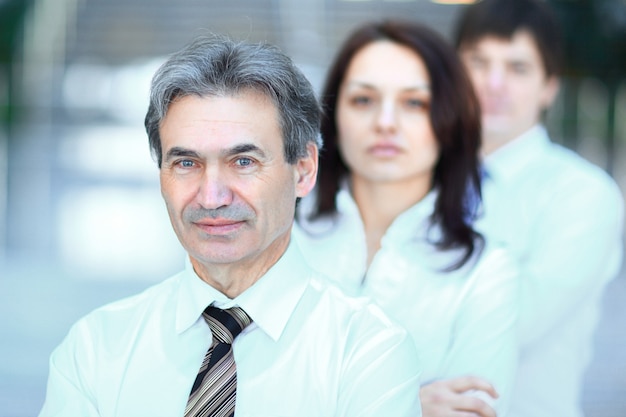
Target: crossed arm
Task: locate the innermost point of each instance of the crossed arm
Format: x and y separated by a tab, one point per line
465	396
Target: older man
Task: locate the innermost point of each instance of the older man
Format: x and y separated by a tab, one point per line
234	128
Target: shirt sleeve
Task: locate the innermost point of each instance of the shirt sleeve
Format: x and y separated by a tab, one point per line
485	339
575	250
68	391
380	375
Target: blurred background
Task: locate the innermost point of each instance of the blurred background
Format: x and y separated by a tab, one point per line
81	217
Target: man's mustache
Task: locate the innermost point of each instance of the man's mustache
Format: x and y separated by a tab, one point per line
235	213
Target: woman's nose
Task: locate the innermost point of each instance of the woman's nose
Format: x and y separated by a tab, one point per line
386	116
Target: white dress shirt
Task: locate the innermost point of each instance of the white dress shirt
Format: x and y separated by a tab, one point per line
562	218
463	322
311	351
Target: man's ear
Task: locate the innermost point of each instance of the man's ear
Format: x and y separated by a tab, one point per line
551	90
306	171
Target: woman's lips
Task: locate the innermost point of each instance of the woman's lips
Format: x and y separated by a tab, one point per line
384	150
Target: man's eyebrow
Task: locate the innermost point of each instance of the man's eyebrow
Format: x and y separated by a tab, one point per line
518	61
178	151
244	148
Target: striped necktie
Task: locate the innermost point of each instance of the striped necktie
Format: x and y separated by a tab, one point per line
213	393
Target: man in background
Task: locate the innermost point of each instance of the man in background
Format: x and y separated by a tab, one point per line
559	214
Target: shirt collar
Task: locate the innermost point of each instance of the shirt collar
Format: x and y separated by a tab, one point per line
269	302
405	225
194	295
345	202
505	162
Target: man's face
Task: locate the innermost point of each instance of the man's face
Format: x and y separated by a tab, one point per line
229	192
511	83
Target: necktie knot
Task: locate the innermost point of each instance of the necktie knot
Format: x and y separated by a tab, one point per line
226	324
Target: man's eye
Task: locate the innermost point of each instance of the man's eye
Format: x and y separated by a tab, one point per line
519	68
186	163
476	62
244	162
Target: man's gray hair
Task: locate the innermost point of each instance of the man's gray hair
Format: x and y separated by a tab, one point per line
216	66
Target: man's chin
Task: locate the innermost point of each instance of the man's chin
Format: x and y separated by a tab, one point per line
220	257
492	141
496	123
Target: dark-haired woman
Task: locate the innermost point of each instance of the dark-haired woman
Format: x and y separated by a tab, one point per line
398	189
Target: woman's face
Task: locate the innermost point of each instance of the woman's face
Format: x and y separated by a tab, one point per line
383	121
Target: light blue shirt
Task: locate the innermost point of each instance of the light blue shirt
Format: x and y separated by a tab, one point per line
463	322
310	351
562	218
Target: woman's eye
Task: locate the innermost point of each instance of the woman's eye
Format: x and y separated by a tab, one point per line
361	100
415	103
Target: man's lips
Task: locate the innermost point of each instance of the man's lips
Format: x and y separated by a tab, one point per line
493	105
219	226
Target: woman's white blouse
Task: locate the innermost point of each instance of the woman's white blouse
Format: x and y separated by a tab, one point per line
463	322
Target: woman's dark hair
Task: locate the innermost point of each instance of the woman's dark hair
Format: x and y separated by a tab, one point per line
455	118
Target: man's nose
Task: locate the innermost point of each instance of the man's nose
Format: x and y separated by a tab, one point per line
214	190
496	78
